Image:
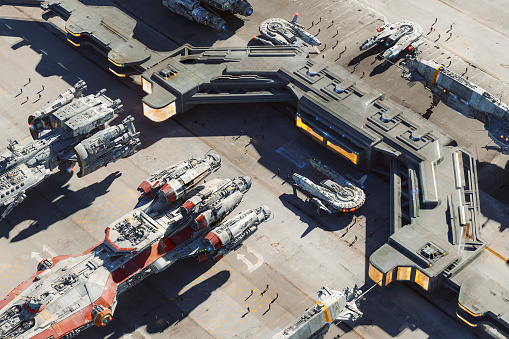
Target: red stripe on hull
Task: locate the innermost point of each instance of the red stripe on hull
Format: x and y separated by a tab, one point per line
188	205
170	194
145	186
182	236
214	240
73	322
46	334
120	249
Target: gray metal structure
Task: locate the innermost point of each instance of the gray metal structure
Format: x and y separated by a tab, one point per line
71	293
395	37
108	30
464	97
434	203
332	195
71	129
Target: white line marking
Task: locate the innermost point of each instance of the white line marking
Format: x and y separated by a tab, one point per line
250	267
36	256
47	249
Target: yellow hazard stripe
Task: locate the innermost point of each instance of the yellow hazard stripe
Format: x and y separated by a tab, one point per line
75	34
116	64
72	42
467	322
326	312
437	71
117	74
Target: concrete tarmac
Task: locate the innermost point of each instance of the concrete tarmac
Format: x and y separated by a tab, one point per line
294	254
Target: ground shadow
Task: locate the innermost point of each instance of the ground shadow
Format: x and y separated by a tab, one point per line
428	113
494	180
365	54
52	201
380	68
306	211
155	21
162	301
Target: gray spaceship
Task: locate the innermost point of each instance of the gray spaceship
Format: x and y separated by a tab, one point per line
395	37
277	31
464	97
71	129
202	11
332	195
332	306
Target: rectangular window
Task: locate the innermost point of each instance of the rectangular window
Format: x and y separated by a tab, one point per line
388	278
422	279
404	273
159	114
299	123
350	156
375	275
146	85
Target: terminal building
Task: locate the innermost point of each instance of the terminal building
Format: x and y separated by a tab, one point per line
434	198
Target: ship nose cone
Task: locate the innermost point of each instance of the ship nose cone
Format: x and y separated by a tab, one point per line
248	180
214	160
266	211
297	177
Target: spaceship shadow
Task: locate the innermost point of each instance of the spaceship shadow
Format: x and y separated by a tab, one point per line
159	305
307	214
53	195
153	17
365	54
55	45
494	181
380	68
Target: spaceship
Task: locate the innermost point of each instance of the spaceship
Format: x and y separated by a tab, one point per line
69	130
335	194
464	97
396	37
71	293
332	306
172	183
202	11
277	31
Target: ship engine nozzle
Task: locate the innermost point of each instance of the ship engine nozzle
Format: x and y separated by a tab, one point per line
243	8
102	316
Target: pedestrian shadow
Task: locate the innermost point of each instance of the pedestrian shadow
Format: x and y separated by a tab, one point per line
162	301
